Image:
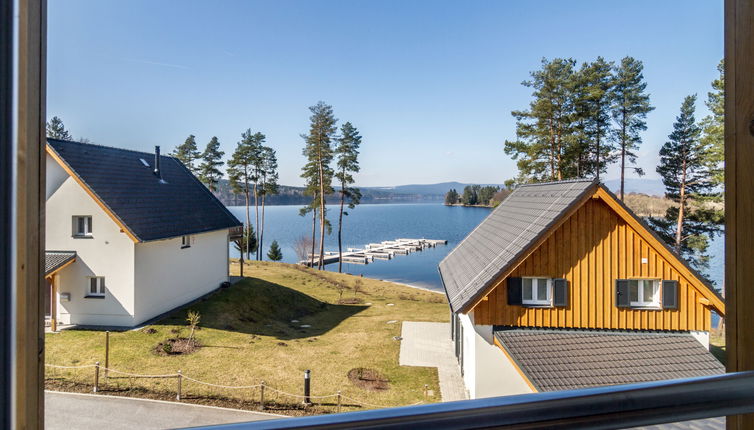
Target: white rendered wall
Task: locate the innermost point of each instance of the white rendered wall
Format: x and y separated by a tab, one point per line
168	276
488	372
702	337
108	253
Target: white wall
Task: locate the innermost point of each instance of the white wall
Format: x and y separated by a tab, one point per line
487	370
702	337
168	276
108	253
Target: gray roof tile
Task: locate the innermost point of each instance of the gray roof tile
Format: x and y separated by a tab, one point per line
555	359
56	259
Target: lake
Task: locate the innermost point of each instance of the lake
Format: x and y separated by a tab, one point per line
379	222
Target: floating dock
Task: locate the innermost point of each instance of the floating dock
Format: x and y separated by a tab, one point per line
385	250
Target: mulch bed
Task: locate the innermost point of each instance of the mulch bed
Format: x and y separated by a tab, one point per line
177	346
368	379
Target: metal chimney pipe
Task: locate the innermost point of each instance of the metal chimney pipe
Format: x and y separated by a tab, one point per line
157	162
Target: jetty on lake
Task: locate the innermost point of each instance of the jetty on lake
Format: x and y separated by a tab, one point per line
385	250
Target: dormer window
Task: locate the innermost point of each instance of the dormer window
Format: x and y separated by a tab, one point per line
645	294
82	226
185	241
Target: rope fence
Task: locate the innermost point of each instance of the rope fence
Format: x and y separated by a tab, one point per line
261	391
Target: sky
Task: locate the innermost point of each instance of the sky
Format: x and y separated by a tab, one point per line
429	84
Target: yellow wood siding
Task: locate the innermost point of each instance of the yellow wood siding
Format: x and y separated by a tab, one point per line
592	249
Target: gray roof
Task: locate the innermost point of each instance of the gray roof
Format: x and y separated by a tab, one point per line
556	360
717	423
505	235
55	259
124	182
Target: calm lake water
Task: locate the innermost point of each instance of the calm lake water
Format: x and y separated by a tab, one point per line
375	223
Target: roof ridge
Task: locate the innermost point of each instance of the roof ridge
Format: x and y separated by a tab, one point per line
564	181
97	145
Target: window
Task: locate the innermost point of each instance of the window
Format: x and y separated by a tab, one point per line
644	293
536	291
96	287
185	242
82	226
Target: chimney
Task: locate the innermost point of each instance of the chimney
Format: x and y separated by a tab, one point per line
157	162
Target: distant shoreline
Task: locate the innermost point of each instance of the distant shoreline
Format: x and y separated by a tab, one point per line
461	205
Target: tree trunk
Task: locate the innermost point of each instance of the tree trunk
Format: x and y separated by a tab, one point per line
597	167
261	230
340	226
321	264
681	209
245	242
314	234
623	143
256	215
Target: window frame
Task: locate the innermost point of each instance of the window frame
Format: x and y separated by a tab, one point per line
88	231
101	289
656	303
534	289
186	241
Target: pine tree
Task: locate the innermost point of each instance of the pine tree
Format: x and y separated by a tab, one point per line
209	169
241	171
451	197
685	170
317	171
247	242
275	254
347	156
713	125
269	181
542	131
596	82
629	111
56	129
188	153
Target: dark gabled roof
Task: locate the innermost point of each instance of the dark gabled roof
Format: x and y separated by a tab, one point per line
555	360
135	197
505	235
57	259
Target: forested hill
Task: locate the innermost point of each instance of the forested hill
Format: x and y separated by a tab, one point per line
295	196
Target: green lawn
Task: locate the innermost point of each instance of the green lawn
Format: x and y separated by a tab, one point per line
247	337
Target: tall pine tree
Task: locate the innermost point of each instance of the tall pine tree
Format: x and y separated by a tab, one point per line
56	129
317	170
685	170
347	158
629	111
188	153
597	80
268	182
241	176
209	169
713	125
542	130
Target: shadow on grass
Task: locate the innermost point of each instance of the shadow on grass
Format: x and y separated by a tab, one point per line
257	307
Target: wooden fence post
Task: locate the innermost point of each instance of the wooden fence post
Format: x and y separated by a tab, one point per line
261	396
96	377
338	401
180	380
107	352
426	391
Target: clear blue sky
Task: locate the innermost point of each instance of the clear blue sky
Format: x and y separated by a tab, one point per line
429	84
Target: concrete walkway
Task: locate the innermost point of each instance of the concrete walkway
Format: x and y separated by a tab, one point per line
428	344
69	411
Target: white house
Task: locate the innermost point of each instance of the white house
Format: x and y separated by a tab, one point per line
563	287
129	235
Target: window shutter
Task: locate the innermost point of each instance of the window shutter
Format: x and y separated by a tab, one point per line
560	292
514	291
670	294
622	299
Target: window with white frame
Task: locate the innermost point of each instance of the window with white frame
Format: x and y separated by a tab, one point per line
96	287
644	293
82	226
185	241
537	291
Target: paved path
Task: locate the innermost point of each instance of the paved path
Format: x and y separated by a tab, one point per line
72	411
428	344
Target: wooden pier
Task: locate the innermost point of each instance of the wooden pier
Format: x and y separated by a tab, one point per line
385	250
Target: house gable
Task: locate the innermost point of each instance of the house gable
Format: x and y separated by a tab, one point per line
599	242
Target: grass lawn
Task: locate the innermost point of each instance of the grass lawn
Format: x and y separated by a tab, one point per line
717	344
247	336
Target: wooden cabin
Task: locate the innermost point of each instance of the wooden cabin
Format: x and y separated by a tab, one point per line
562	286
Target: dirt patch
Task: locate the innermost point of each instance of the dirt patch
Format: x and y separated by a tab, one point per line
368	379
177	346
149	330
351	301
